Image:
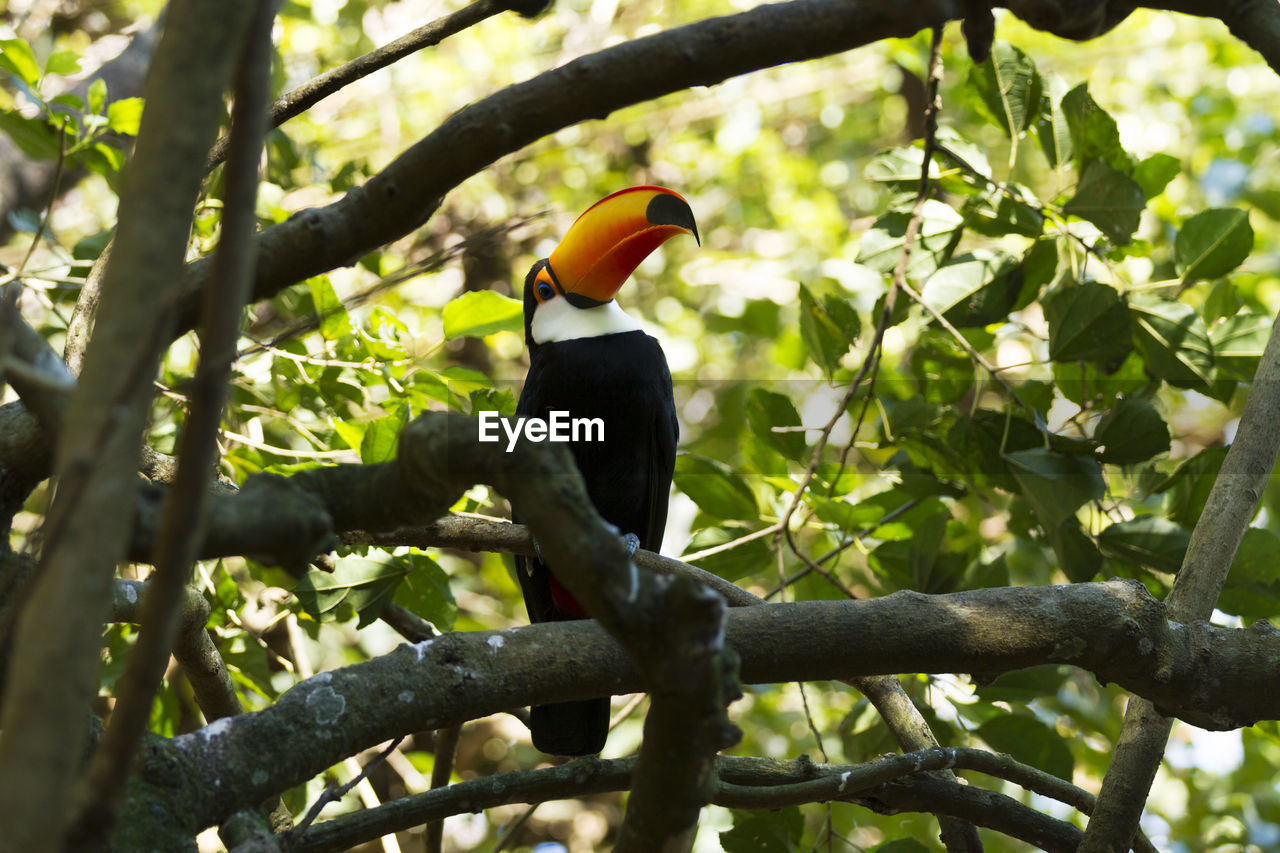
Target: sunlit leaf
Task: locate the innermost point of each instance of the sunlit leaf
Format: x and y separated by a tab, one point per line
1094	134
1154	173
16	58
425	590
478	313
62	62
881	245
334	322
1009	87
125	116
773	417
974	289
357	586
1052	128
829	326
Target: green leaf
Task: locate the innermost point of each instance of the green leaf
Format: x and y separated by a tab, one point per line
33	136
881	245
425	590
1088	322
1213	243
1242	335
1009	87
97	96
764	831
335	324
1052	128
125	116
357	586
1055	484
715	487
1011	211
829	327
1109	199
1029	741
769	409
1094	134
16	58
1077	554
735	563
1148	540
352	434
1187	489
1174	341
478	313
381	439
1132	431
1025	685
62	62
1155	172
901	845
1255	560
974	289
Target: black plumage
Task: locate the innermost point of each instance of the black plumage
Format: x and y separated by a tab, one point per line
622	379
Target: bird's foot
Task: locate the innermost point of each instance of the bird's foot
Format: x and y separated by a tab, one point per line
632	542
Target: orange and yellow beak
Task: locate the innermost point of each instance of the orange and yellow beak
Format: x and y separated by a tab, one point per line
607	242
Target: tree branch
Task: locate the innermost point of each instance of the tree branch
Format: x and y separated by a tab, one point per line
180	531
43	719
404	194
1230	507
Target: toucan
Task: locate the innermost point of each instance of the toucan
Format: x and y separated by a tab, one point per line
590	359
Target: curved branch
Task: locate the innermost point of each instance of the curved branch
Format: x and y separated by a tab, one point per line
1114	629
404	194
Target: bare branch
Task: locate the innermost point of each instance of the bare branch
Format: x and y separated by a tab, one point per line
87	527
184	511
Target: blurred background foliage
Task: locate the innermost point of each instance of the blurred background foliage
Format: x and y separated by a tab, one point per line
1104	234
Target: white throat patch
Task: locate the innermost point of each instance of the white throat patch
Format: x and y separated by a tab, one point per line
557	320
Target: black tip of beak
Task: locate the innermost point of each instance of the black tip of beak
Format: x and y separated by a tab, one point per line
672	210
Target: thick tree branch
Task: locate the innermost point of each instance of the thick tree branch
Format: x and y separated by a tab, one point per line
1114	629
43	719
404	194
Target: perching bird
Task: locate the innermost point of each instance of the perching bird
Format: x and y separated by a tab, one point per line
588	358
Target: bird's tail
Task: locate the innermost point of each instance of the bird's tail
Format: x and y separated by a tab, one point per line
570	728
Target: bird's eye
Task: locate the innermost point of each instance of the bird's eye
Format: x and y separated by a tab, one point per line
545	291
